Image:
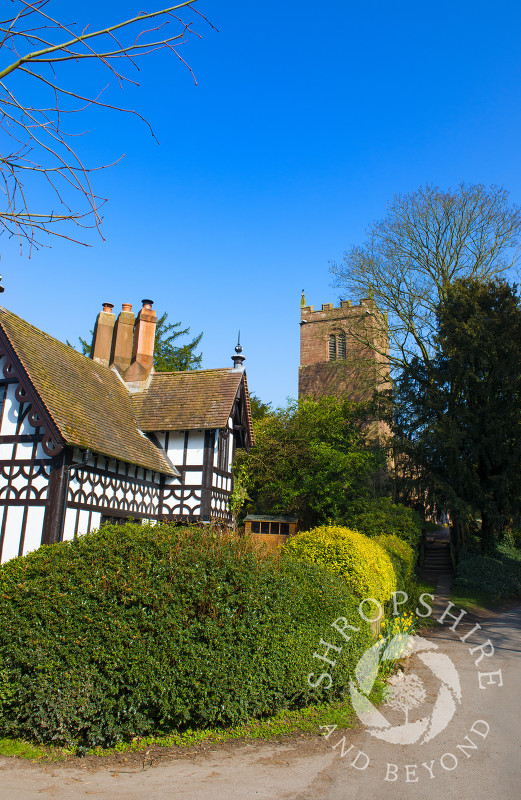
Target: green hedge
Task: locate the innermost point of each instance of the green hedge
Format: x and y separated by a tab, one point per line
402	556
139	629
382	517
364	565
498	574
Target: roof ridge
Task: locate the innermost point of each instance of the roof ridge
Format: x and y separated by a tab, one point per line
191	371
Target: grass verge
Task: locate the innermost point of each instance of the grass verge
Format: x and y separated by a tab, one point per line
473	600
285	723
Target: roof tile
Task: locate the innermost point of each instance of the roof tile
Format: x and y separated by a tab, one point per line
88	402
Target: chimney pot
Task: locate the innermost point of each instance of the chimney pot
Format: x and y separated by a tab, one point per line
122	342
102	339
142	363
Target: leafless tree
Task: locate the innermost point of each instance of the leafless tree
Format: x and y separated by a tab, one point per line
405	692
37	93
428	239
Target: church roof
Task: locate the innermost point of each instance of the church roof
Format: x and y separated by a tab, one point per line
88	403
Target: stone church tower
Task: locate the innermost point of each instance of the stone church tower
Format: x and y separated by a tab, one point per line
335	354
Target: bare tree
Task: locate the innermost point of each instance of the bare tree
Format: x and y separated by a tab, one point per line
427	240
405	692
37	92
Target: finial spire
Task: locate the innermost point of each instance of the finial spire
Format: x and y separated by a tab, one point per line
238	358
302	300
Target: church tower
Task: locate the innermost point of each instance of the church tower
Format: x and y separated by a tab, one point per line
344	351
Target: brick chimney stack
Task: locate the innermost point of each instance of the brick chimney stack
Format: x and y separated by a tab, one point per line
123	341
102	339
143	352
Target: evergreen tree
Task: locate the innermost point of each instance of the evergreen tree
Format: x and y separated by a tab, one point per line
459	421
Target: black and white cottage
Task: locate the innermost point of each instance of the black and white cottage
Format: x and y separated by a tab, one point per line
88	440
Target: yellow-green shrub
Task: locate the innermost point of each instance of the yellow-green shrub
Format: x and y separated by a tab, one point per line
362	562
402	555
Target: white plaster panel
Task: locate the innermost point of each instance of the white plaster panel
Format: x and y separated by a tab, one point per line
95	521
6	452
195	448
193	478
83	525
33	529
20	481
26	427
70	524
40	452
11	411
2	512
40	481
13	530
24	451
176	445
191	502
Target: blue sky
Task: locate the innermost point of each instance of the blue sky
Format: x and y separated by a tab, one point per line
306	119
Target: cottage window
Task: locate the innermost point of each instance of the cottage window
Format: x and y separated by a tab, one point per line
275	528
255	527
265	527
284	528
222	457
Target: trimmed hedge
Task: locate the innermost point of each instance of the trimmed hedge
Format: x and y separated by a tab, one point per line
134	630
402	556
362	562
382	517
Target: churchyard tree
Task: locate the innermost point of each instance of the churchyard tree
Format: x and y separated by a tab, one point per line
458	420
427	240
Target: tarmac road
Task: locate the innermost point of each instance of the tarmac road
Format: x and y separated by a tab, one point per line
314	769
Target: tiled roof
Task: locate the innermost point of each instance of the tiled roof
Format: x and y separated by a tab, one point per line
178	401
88	402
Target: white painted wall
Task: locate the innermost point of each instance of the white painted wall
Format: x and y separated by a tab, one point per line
13	528
33	530
195	451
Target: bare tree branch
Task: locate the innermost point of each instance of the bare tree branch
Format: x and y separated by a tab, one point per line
427	240
36	146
